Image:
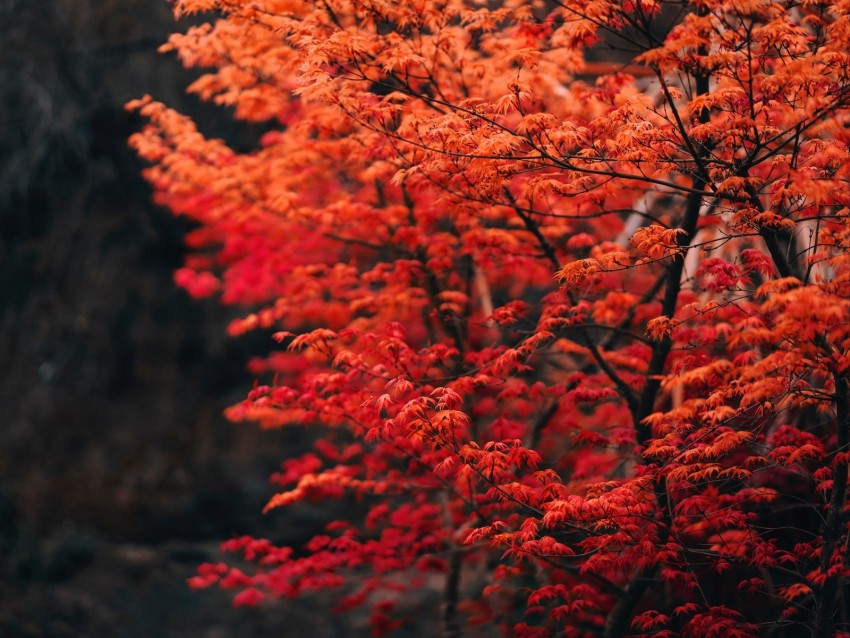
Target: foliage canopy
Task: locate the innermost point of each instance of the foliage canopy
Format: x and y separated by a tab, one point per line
565	288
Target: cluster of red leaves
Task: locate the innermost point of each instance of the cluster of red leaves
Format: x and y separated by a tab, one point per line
580	346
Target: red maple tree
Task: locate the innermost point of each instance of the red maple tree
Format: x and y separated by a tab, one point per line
563	286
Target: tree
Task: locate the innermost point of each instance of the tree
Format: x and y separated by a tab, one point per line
564	288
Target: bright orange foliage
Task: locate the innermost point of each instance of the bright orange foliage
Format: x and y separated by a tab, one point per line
576	337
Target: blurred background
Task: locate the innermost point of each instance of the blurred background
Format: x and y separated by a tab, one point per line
118	474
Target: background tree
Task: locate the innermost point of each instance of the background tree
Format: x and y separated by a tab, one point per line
579	345
118	472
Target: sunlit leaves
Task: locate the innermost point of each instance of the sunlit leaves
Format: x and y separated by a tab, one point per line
568	326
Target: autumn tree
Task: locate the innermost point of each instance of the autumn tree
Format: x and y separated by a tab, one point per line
562	287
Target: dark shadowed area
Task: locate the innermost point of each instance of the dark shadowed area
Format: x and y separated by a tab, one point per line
118	474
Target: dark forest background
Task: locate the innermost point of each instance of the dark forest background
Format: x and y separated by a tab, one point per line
118	474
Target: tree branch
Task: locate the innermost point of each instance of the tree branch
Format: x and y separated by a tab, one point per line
826	606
